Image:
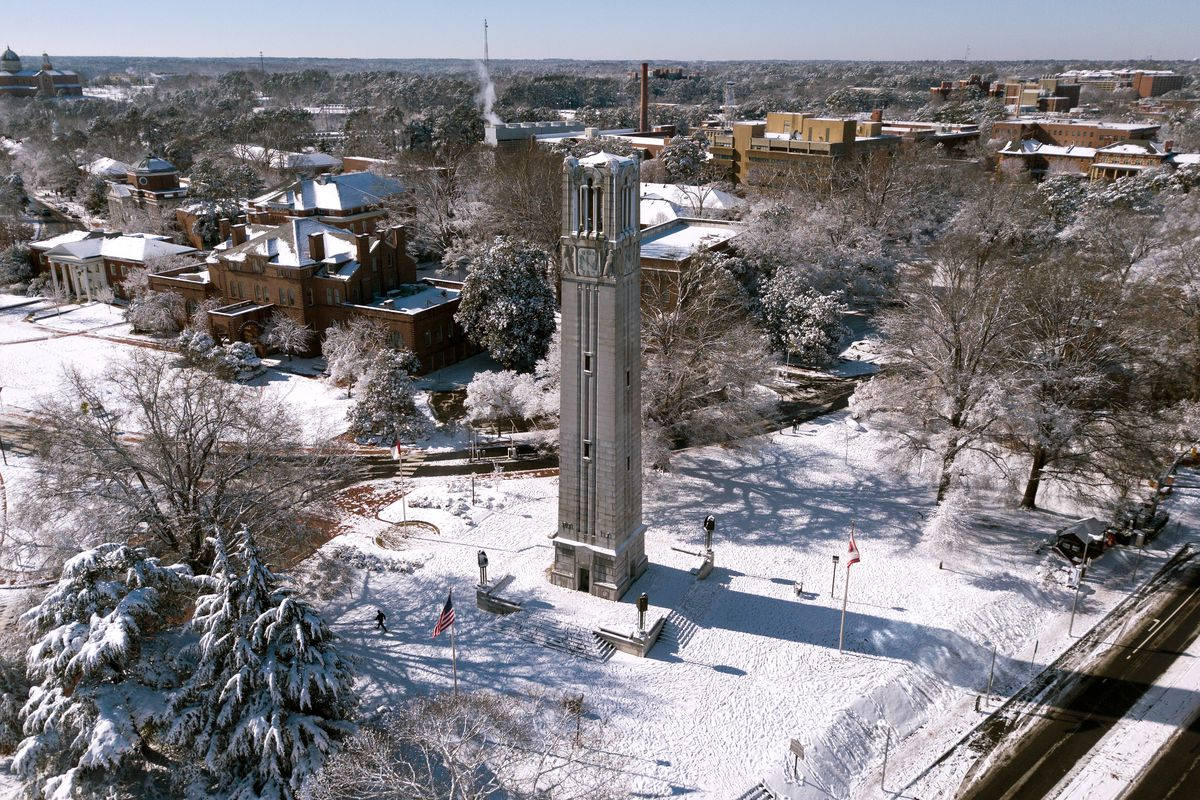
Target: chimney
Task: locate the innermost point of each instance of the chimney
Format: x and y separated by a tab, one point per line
363	242
316	246
223	228
1169	145
238	232
644	117
877	115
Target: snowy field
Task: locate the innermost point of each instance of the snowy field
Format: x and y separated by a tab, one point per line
748	661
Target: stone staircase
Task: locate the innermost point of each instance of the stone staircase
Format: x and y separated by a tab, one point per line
562	636
677	632
756	792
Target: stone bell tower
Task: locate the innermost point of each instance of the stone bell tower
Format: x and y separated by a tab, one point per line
600	542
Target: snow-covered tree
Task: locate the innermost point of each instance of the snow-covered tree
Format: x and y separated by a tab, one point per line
156	313
271	695
506	306
196	347
684	159
237	361
96	660
385	408
802	322
287	335
350	347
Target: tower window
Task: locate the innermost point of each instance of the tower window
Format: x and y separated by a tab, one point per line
587	362
627	379
587	450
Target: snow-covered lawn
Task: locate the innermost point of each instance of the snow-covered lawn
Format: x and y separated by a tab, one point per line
749	662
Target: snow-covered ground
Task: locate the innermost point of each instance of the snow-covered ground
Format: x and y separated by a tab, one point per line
750	660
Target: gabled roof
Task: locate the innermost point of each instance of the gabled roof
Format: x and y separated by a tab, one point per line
109	167
287	245
333	192
64	238
1138	147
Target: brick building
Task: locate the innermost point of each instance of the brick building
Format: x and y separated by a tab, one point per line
350	200
1145	82
45	81
1108	163
151	185
1066	132
318	275
81	263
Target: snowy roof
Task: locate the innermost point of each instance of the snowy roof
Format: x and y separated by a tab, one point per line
285	160
1087	123
124	247
154	164
663	202
1032	146
333	192
604	158
64	238
105	167
680	238
1185	158
1138	147
429	296
287	245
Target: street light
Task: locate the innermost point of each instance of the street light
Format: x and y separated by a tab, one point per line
643	605
710	524
833	583
483	562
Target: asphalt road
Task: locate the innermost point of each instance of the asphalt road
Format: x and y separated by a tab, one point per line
1074	724
1176	773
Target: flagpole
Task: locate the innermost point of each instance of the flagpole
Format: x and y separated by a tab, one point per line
845	595
454	658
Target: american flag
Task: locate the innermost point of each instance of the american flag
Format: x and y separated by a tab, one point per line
447	616
853	559
396	450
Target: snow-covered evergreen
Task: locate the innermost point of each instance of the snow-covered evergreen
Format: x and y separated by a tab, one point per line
94	663
385	408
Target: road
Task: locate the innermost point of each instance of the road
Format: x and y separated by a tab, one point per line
1175	775
1074	724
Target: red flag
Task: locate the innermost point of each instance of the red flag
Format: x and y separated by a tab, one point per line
853	559
446	618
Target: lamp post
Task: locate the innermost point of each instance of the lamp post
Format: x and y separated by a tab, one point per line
710	524
1075	602
643	605
483	564
833	583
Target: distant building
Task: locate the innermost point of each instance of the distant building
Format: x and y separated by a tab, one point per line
284	162
665	202
45	81
667	247
81	263
1110	162
1033	96
350	200
959	89
1065	132
1145	82
318	275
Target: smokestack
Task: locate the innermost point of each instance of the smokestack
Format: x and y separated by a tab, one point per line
877	115
644	118
316	246
238	234
223	228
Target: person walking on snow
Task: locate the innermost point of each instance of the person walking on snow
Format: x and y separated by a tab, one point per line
380	618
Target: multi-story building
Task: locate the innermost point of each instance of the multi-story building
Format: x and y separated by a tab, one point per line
961	88
82	263
758	150
151	185
43	82
1108	163
318	275
1032	96
350	200
1066	132
1145	82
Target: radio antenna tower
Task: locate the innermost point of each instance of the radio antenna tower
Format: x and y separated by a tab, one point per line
485	48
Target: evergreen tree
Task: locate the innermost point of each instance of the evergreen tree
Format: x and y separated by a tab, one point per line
271	696
506	306
95	662
386	408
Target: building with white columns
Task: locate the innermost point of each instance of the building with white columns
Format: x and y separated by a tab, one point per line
104	259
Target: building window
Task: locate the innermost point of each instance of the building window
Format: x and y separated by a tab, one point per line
328	296
587	362
282	296
310	296
627	463
428	339
587	450
628	377
291	298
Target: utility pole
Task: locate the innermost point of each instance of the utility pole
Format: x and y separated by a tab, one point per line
261	67
1075	602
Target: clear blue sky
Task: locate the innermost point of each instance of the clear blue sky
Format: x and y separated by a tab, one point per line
612	29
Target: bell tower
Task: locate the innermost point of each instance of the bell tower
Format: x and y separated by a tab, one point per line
600	541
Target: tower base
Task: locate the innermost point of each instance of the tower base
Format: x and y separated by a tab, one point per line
597	570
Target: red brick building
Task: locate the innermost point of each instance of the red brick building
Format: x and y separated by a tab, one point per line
1067	132
319	275
82	263
44	82
350	200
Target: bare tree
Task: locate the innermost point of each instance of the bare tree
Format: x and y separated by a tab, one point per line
152	454
476	747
